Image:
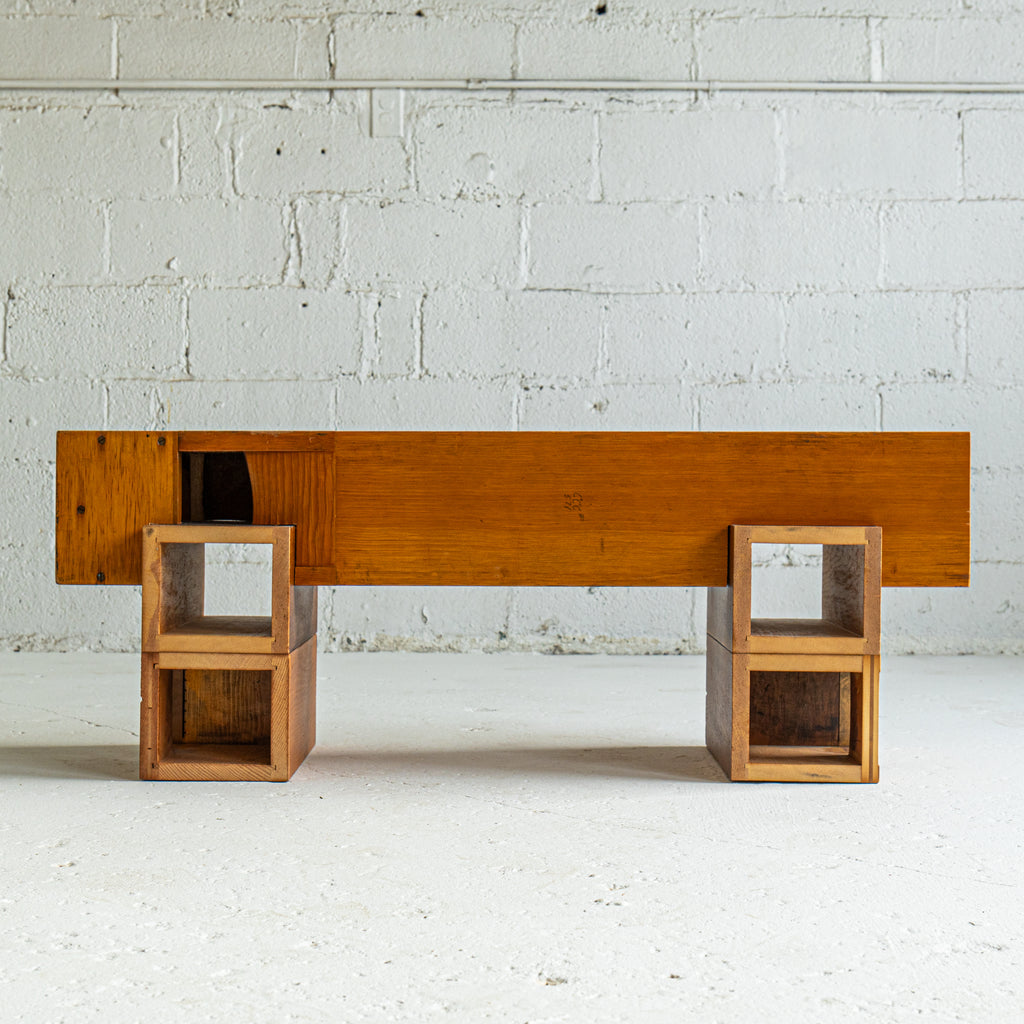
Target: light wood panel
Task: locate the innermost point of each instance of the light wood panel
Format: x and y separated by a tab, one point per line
173	600
109	484
232	717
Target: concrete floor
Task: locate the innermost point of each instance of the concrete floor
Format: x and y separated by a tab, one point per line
511	838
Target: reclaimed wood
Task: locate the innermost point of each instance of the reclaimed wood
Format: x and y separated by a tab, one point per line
851	613
221	706
167	752
798	709
649	509
109	484
173	617
525	509
297	487
762	730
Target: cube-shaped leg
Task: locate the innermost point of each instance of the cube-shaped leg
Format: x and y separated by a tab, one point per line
173	592
227	716
851	570
793	718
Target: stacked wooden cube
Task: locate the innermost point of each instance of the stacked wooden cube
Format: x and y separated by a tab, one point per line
796	700
224	697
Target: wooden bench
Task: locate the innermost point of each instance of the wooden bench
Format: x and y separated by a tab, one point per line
515	509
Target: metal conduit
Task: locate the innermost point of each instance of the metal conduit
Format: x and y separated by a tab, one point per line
709	86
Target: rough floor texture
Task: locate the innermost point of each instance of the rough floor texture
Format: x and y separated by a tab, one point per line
510	838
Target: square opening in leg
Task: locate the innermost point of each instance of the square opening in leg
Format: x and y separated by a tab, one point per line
801	714
215	715
810	589
216	587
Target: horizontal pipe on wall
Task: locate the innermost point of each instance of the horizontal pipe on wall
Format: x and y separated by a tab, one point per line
489	84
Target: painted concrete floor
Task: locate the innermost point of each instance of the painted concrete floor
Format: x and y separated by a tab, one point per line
510	838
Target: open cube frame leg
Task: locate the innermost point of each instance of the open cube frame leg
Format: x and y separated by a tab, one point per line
822	710
223	697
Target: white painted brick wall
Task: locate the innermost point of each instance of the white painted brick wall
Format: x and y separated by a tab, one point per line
535	261
273	334
687	154
55	47
633	247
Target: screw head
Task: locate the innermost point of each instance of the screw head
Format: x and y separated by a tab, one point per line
100	577
80	510
102	439
161	441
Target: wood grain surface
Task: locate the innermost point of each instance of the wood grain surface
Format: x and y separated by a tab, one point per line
109	484
529	509
640	509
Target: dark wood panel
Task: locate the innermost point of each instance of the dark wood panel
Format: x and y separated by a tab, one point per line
799	709
636	508
109	485
222	706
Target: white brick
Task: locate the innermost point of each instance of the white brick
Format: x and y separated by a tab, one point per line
576	618
468	243
100	151
248	405
396	335
954	50
31	413
206	48
994	350
198	239
417	618
322	241
791	245
904	153
883	336
529	334
110	8
425	405
997	517
788	406
55	618
53	239
694	337
96	332
994	153
786	592
55	48
978	244
606	407
599	49
642	246
686	154
988	618
27	501
312	48
772	49
990	413
288	152
421	48
504	150
273	334
204	139
136	405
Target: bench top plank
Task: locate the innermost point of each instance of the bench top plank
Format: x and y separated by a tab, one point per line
531	508
640	509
